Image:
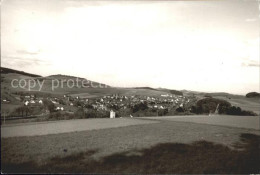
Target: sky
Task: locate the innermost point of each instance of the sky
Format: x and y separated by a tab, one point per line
210	46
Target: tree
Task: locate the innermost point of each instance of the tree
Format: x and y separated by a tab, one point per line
49	105
210	104
180	109
252	94
140	106
175	92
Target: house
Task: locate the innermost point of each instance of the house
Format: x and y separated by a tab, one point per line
161	107
54	102
40	102
26	103
27	97
112	114
59	108
5	100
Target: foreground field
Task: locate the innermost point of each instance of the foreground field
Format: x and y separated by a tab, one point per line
250	122
65	126
161	146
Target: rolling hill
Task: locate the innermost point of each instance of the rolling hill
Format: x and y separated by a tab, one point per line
91	89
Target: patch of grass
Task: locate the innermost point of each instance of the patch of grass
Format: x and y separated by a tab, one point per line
198	157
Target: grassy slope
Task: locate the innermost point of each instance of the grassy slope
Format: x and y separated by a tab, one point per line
76	91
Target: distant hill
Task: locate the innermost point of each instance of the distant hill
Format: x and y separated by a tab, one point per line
59	76
171	91
253	95
8	70
146	88
67	77
61	87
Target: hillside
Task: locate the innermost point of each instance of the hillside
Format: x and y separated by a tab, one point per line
8	70
91	89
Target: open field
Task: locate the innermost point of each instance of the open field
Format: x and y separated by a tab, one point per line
250	122
112	149
56	127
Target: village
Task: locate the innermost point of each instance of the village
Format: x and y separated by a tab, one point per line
111	103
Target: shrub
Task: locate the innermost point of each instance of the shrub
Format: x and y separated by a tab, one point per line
162	112
140	106
91	113
179	109
49	105
238	111
80	113
60	116
22	111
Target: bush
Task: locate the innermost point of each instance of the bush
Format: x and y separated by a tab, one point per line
22	111
80	113
60	116
238	111
162	112
140	106
179	109
49	105
97	114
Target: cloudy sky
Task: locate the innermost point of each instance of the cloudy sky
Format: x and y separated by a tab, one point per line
196	45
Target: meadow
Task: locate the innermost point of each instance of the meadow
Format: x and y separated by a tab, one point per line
162	146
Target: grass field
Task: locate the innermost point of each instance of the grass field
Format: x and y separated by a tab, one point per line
160	147
225	144
250	104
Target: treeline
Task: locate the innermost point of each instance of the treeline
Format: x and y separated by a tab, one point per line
252	95
209	105
203	106
175	92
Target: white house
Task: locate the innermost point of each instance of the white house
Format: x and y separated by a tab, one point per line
112	114
26	103
40	101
